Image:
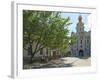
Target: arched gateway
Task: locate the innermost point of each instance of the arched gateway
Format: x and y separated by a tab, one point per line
81	53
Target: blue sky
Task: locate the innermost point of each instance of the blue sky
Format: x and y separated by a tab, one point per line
74	20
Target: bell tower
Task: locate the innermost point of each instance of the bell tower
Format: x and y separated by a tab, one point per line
80	25
80	37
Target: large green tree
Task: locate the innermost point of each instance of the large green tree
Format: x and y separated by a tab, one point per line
45	29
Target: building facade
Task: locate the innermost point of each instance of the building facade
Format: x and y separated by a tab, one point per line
82	47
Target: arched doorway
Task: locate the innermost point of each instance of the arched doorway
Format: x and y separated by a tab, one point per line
81	53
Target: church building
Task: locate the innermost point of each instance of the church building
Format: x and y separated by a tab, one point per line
82	47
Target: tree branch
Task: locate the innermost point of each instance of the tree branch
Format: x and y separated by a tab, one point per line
40	49
25	49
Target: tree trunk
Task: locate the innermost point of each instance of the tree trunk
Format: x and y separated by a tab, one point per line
30	52
31	59
35	51
32	55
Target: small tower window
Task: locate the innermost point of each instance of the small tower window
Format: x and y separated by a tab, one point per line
81	46
87	41
81	42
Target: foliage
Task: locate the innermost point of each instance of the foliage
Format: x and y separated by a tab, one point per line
47	29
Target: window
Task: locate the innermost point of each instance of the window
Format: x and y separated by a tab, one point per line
81	42
41	51
81	46
87	41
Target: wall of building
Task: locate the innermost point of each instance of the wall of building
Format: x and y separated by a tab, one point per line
82	46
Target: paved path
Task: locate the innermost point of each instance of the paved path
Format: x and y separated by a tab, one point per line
77	61
62	62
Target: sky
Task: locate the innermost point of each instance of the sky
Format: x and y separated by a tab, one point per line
74	20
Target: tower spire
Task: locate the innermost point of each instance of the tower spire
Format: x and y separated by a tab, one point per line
80	18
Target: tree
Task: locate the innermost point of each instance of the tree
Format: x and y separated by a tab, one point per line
44	29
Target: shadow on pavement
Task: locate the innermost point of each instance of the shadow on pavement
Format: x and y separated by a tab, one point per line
83	57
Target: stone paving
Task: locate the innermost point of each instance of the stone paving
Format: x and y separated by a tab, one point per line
61	62
77	61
